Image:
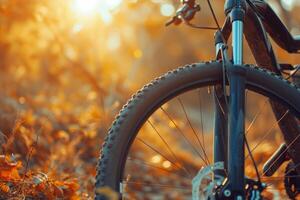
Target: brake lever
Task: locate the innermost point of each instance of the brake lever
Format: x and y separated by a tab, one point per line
185	13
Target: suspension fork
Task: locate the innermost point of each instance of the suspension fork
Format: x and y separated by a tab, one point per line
235	112
236	117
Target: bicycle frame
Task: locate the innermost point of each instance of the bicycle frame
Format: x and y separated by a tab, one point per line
241	20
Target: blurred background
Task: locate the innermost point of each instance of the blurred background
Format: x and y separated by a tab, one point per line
68	66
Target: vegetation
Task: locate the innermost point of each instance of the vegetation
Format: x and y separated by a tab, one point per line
68	66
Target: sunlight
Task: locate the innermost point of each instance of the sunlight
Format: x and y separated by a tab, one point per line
87	8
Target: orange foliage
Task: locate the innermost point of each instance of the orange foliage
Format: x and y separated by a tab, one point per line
8	169
65	72
36	186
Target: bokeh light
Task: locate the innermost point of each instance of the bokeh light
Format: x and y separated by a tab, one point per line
289	4
156	159
167	9
166	164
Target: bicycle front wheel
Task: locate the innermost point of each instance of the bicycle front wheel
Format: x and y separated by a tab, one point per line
163	136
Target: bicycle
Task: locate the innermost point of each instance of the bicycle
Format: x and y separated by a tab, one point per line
228	82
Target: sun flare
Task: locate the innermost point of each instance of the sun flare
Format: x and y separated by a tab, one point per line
87	8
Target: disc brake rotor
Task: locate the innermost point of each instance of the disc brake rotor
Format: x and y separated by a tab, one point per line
206	174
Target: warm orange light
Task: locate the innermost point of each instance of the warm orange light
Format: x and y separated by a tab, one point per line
166	164
86	8
156	159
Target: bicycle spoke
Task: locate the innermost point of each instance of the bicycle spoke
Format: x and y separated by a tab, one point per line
179	167
256	116
193	130
144	163
168	146
183	135
266	135
157	185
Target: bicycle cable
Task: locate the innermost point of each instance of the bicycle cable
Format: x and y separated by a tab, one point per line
252	159
214	15
206	27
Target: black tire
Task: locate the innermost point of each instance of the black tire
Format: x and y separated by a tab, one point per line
151	96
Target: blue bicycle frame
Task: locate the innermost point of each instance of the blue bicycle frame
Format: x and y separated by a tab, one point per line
229	140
